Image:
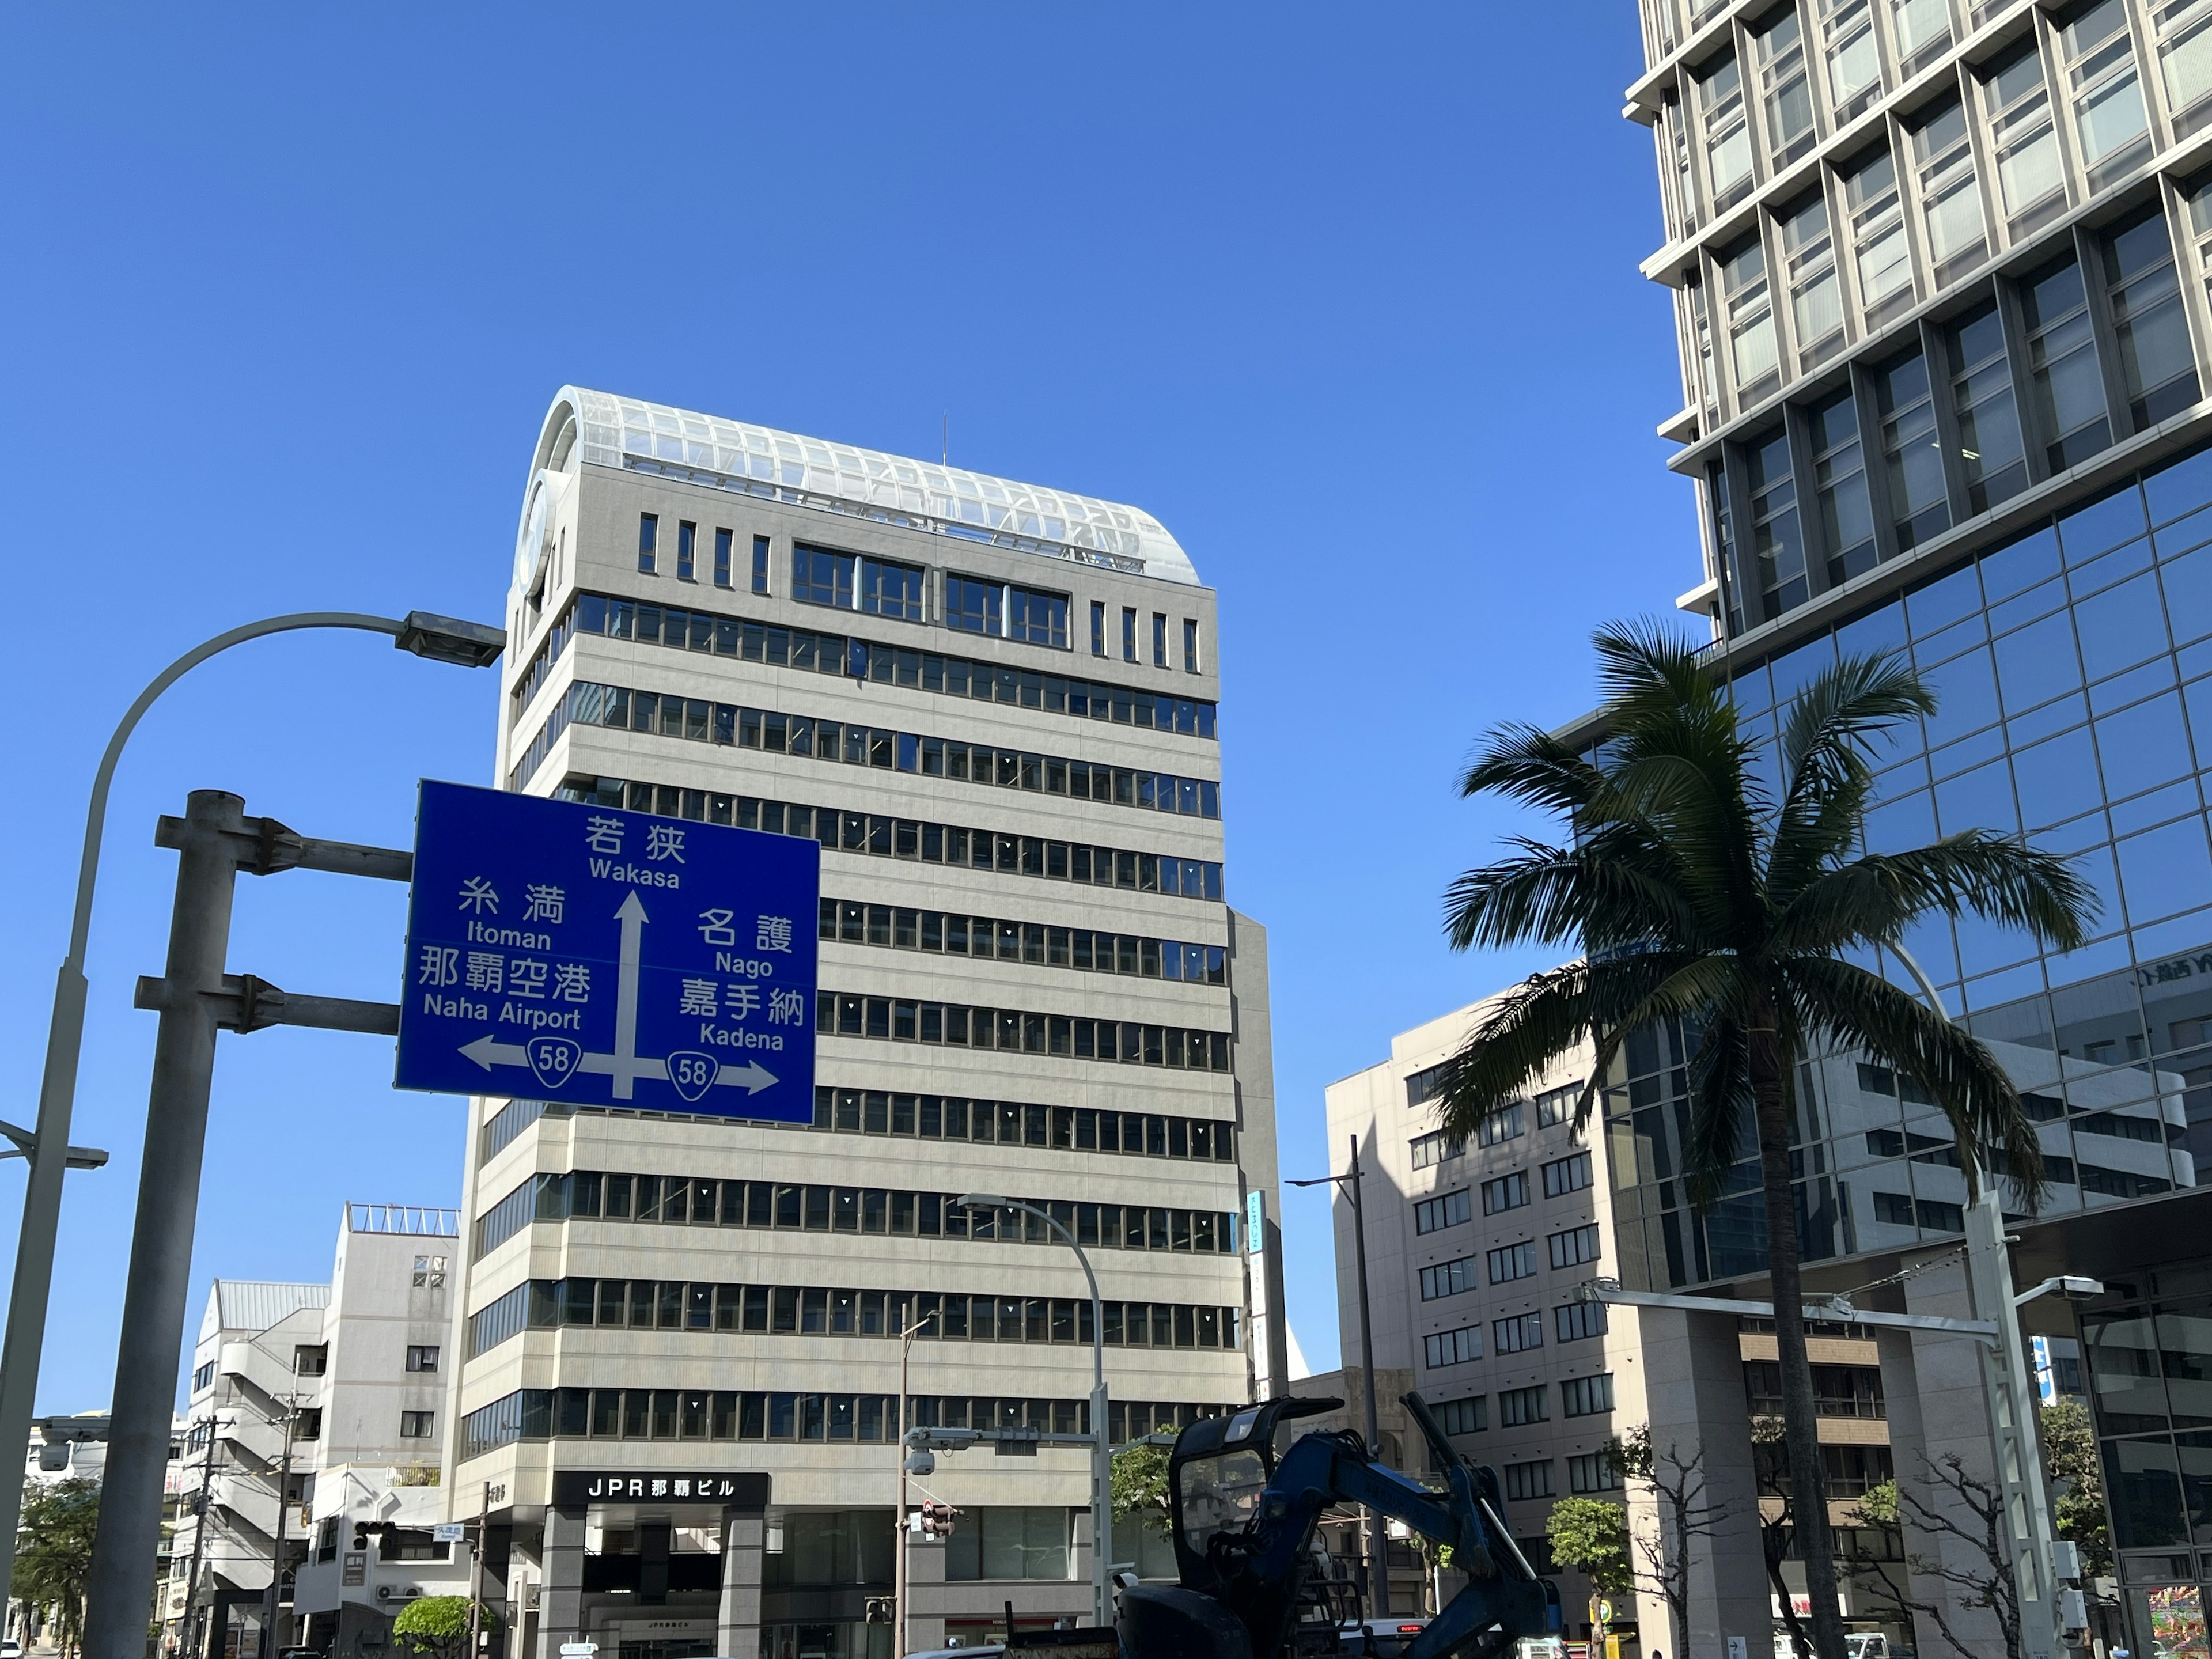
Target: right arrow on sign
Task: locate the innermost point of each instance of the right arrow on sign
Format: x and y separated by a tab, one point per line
752	1074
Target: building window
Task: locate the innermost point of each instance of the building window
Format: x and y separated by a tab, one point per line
1840	488
880	588
1989	453
1160	640
1519	1406
687	542
1883	258
1854	62
1950	205
888	589
1507	1192
311	1359
1445	1210
648	541
1557	1106
1589	1472
820	578
204	1376
1097	628
2066	388
1574	1247
414	1425
1893	1209
1777	537
1573	1322
308	1425
1911	455
1434	1149
1501	1126
1038	617
1442	1348
1728	136
1424	1086
1128	633
1518	1333
1190	645
2185	56
1511	1261
423	1357
972	606
2109	118
1783	88
1568	1174
1586	1396
1752	353
2156	363
1464	1416
429	1272
1816	298
722	539
760	564
1448	1278
1924	30
2025	138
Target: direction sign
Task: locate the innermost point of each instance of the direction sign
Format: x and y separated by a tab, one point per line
587	954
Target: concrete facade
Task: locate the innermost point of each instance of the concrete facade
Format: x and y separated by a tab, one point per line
1093	871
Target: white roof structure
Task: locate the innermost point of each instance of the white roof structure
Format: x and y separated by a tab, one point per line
758	461
255	1304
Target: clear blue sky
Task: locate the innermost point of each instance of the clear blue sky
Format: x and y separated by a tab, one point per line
1346	297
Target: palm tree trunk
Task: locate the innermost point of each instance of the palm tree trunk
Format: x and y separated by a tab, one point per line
1770	1065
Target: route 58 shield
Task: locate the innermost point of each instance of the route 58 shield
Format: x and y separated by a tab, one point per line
585	954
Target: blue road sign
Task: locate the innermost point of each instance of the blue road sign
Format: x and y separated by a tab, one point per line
575	953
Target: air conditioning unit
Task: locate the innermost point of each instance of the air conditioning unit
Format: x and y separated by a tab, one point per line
394	1593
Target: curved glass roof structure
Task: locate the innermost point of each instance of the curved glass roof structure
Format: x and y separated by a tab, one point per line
610	431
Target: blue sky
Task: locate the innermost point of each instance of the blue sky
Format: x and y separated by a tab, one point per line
1346	298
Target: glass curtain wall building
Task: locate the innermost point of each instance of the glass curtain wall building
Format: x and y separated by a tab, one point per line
1940	276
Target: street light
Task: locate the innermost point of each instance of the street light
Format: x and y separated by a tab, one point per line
2009	1395
1102	1471
1378	1546
898	1563
441	639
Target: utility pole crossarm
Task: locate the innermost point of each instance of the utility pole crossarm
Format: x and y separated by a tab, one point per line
250	1003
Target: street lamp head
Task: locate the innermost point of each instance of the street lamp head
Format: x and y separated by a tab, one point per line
449	638
983	1200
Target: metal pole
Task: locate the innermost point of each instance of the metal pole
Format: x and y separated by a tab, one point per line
271	1610
475	1573
898	1512
193	1635
2013	1407
1378	1545
25	1343
130	1528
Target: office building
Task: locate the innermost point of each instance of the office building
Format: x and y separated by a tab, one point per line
1475	1252
1939	271
301	1393
994	707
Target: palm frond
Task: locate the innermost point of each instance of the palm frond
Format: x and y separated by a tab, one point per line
1601	894
1872	898
1720	1105
1644	668
1865	1011
1526	765
1828	742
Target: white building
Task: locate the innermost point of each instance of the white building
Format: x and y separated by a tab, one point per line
994	707
1475	1253
350	1378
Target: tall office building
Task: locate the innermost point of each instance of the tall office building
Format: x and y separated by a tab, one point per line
1939	271
994	707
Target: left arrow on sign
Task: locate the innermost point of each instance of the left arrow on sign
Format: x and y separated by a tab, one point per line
489	1051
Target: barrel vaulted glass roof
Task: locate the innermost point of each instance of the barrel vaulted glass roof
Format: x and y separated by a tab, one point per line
611	431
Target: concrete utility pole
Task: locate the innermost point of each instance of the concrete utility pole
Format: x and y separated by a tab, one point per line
475	1573
1378	1542
271	1610
193	1634
441	639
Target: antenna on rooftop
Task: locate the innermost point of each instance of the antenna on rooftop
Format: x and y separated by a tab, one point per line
945	437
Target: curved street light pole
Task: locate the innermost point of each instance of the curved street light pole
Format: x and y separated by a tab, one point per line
1102	1462
439	638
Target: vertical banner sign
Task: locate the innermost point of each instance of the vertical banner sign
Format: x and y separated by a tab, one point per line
586	954
1255	1217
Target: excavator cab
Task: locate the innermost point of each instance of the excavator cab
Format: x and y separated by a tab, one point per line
1218	1473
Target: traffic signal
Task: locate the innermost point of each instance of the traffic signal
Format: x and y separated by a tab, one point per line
360	1534
936	1520
879	1610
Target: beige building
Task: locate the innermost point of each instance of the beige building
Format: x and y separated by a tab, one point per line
1475	1250
994	707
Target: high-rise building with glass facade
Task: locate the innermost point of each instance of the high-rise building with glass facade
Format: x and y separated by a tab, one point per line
678	1359
1939	280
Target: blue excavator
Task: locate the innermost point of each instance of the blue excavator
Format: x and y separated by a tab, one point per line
1251	1584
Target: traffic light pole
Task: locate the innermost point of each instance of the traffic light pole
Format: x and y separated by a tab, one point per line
215	840
898	1561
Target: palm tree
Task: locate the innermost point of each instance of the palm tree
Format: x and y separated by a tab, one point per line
1694	893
